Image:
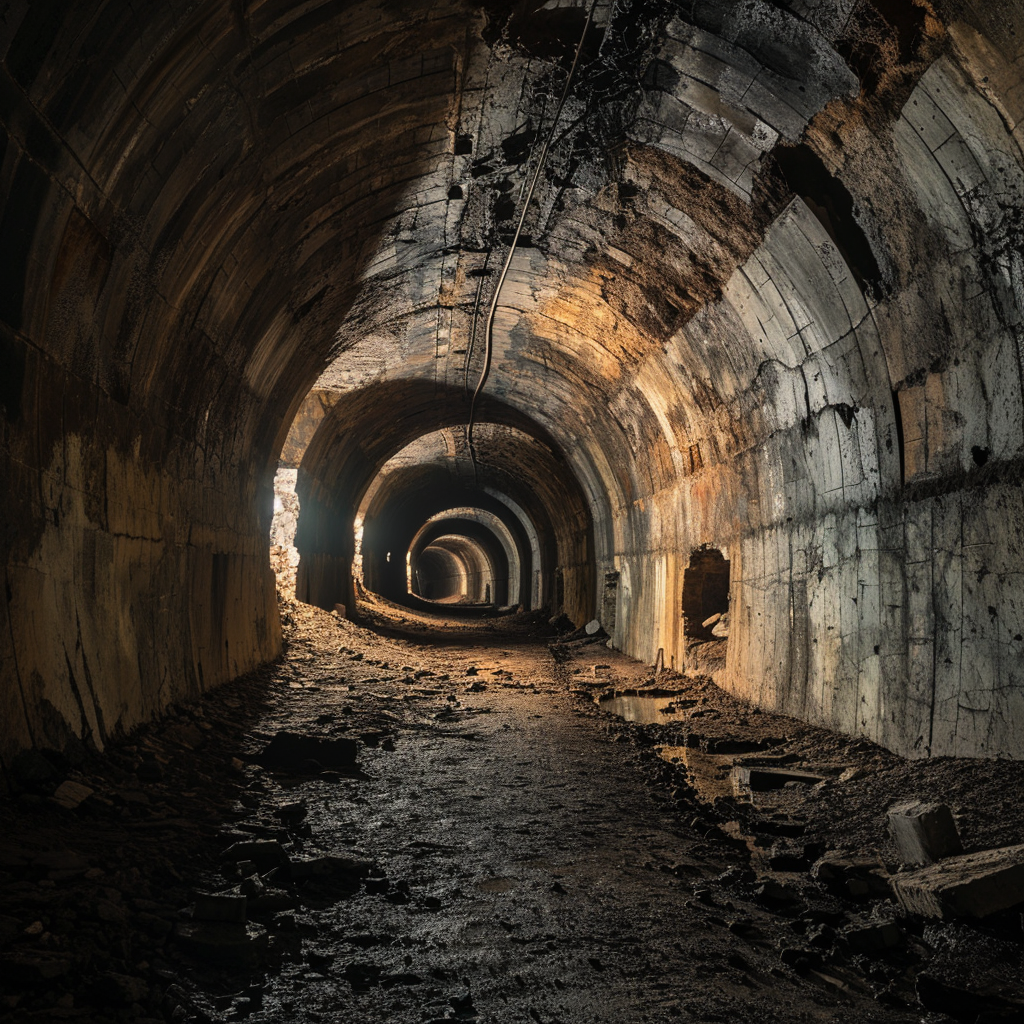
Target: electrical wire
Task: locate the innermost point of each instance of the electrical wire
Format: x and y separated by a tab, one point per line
489	333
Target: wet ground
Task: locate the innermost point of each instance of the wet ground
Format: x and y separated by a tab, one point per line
507	847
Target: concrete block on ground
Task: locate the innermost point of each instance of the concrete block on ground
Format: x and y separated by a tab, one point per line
971	885
923	833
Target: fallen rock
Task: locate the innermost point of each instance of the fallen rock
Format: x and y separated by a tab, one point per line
120	989
872	936
856	875
593	627
330	867
971	885
31	967
60	864
291	813
771	894
70	794
290	751
266	854
184	734
33	770
923	833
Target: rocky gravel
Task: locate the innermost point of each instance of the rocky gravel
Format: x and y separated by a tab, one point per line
440	820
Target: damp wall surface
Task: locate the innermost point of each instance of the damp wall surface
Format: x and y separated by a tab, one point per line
874	524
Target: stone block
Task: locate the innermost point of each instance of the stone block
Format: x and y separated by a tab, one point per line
759	780
872	936
923	833
971	885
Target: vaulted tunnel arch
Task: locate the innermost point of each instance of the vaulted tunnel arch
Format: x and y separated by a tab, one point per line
767	298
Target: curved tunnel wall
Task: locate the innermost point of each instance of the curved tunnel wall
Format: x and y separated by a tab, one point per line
189	194
768	298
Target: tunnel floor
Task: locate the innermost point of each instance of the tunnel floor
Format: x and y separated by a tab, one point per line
503	849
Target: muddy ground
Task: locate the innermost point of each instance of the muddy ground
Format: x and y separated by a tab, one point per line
505	848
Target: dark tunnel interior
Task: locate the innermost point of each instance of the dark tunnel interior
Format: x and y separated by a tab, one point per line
541	478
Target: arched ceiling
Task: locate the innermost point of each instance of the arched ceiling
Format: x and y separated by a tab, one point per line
768	293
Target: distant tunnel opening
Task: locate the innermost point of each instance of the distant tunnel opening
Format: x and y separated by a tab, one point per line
452	569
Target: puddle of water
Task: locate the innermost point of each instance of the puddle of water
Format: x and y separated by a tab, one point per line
710	774
645	710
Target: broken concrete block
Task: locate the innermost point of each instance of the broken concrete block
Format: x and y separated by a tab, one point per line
759	780
971	885
219	907
923	833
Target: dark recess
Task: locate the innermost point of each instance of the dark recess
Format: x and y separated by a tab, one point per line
827	198
705	592
517	147
552	34
980	455
907	19
12	375
16	232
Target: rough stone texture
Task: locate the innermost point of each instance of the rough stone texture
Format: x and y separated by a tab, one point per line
767	299
974	885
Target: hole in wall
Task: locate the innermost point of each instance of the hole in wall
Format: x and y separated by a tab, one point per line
705	608
705	594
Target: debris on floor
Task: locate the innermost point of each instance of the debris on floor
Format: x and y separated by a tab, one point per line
439	820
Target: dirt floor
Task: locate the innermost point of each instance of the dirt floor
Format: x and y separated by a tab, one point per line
460	824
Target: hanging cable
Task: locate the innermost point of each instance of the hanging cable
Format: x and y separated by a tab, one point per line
489	333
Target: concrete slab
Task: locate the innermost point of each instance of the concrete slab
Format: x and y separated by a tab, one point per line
972	885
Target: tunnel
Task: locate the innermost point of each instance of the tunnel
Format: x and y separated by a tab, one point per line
697	326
